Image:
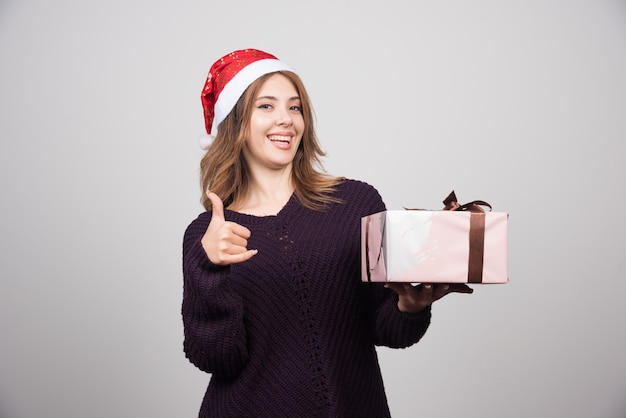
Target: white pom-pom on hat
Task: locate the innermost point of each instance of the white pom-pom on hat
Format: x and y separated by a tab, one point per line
205	141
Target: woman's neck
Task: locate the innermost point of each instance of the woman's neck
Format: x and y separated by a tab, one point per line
266	195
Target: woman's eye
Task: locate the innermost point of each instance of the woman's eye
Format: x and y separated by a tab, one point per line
296	108
265	106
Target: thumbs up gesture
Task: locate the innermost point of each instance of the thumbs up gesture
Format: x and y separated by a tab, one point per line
225	242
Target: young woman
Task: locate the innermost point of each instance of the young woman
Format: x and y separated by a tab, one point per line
273	306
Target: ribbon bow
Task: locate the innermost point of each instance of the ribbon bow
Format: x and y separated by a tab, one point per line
473	206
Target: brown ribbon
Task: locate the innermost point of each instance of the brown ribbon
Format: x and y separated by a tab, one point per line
476	234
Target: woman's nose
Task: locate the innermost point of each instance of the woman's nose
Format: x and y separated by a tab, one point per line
283	118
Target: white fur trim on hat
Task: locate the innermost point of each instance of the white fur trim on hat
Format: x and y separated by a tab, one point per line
233	90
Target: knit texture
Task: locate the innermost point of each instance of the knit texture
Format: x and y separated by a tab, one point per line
292	331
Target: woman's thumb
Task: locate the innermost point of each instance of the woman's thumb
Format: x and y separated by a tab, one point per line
218	205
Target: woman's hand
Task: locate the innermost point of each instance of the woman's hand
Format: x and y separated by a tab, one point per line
413	299
225	242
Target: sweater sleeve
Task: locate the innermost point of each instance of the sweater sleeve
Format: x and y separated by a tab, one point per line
214	331
390	326
393	328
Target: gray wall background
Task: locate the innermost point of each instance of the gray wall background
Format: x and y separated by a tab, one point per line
520	103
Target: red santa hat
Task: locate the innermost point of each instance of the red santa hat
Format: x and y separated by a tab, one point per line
228	78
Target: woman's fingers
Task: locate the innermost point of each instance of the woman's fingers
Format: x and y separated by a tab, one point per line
232	245
232	233
239	230
229	253
239	257
460	288
415	298
225	242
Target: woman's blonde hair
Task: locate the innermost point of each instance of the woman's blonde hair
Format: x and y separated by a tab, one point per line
224	171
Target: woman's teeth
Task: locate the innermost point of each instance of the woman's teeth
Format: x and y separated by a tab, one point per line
280	138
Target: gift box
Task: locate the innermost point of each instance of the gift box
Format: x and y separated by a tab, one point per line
461	244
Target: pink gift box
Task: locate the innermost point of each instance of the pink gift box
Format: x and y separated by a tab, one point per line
425	246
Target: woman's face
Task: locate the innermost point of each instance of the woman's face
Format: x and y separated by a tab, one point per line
276	125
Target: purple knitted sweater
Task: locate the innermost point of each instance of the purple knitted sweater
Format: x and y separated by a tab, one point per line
292	331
